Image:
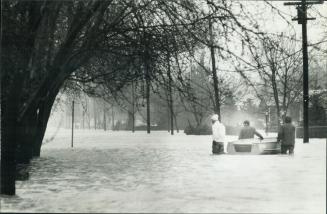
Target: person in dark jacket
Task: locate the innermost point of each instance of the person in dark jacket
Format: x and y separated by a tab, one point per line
248	131
286	135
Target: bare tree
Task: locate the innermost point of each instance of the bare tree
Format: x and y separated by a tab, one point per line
275	70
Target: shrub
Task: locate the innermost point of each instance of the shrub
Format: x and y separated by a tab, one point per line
314	132
198	130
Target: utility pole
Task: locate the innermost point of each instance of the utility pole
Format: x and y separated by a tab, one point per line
112	117
72	142
302	18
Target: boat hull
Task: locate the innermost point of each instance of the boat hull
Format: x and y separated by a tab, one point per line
254	146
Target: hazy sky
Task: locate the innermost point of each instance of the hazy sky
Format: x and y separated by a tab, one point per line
271	21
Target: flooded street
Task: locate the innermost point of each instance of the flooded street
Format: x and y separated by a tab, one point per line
136	172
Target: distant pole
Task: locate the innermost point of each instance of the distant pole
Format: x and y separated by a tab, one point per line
112	117
95	114
83	119
175	118
267	115
147	81
168	114
72	143
171	107
133	108
148	123
104	117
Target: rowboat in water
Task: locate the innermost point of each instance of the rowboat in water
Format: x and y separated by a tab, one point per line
254	146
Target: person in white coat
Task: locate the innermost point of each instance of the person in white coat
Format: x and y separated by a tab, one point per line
218	135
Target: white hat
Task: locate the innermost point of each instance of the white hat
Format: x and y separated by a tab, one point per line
215	117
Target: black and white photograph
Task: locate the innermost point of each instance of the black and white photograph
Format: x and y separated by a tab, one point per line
163	106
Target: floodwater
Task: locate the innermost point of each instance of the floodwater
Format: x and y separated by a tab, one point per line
136	172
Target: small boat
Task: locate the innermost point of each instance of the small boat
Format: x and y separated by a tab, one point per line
254	146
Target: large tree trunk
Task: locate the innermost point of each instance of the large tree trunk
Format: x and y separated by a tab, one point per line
10	95
146	61
95	116
133	107
83	119
175	118
214	73
148	120
104	117
276	97
25	145
113	117
130	125
26	134
171	106
42	121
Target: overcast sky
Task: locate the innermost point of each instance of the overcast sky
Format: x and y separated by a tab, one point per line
274	22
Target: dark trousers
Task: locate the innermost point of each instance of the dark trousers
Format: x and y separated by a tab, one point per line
289	148
217	147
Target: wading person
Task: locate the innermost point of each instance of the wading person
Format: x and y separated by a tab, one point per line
218	135
286	135
248	131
